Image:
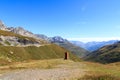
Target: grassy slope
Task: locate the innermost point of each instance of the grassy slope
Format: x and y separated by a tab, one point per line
9	53
106	54
74	49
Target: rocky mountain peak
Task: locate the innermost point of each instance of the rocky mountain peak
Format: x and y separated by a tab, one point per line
2	26
21	31
58	39
42	36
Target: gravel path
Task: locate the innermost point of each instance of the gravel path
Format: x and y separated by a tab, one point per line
37	74
61	72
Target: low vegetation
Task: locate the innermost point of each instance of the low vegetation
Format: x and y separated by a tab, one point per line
80	52
98	71
10	54
98	77
106	54
91	71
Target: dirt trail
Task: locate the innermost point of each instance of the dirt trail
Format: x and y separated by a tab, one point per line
61	72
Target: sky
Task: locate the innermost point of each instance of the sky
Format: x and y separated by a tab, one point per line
83	20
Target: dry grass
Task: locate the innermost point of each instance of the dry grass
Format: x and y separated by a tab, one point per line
101	71
99	77
92	71
44	64
32	64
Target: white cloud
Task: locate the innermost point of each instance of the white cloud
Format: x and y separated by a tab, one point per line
94	39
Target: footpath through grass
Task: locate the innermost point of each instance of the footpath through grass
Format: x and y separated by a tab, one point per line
92	71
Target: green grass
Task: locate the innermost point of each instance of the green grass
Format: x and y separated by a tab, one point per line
14	54
80	52
106	54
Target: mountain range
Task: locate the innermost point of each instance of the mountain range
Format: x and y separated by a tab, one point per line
18	44
106	54
94	45
16	37
81	52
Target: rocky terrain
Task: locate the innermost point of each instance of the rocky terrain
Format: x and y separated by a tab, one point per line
10	36
12	39
2	26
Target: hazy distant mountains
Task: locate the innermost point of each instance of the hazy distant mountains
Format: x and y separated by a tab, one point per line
92	46
106	54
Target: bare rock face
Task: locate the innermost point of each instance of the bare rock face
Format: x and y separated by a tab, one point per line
21	31
2	26
44	37
15	41
18	30
58	39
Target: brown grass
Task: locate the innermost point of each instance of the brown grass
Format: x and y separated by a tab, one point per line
99	77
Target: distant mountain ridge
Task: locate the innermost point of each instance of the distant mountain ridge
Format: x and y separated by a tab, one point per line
69	46
106	54
92	46
65	44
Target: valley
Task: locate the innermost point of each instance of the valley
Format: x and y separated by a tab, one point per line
59	39
28	56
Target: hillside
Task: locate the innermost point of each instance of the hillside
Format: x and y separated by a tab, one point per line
106	54
18	44
11	39
69	46
12	54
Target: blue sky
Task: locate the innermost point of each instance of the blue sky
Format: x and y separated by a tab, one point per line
71	19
